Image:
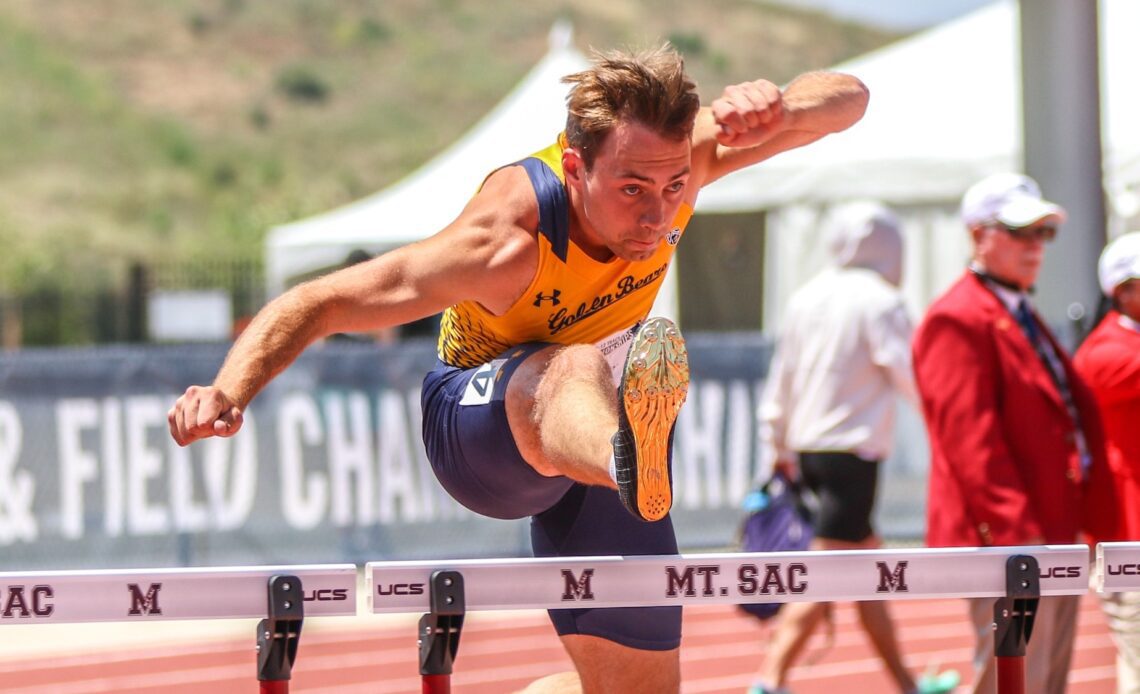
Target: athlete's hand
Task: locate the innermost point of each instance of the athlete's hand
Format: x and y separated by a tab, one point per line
202	412
748	114
789	467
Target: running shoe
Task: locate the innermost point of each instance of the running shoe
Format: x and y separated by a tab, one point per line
653	387
941	683
761	689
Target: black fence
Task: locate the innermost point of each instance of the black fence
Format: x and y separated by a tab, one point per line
110	306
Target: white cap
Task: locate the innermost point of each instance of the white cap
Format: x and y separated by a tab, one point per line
1119	262
1010	198
867	234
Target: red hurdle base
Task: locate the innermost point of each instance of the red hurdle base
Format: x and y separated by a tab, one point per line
1011	674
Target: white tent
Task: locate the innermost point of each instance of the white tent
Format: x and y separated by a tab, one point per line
424	202
431	197
945	110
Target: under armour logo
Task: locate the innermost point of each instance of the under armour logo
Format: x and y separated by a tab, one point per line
553	298
673	236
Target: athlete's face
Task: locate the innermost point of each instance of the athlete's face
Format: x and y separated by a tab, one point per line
631	194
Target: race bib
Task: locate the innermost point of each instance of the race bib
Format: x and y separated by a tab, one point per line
615	348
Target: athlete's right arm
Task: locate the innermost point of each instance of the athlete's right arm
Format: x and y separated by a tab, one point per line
488	254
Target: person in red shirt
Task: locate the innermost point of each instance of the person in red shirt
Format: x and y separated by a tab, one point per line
1016	443
1109	362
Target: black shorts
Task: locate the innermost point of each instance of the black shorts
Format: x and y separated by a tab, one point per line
474	456
845	485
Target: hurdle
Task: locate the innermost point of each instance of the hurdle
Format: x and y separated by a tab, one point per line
445	590
281	595
1117	567
1015	576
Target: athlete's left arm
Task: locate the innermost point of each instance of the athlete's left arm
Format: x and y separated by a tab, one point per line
753	121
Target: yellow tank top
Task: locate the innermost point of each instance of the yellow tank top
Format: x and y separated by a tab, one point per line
573	298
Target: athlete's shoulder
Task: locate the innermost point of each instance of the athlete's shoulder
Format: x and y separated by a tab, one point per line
506	196
492	243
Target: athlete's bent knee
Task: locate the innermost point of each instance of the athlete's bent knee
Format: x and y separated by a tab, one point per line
579	362
606	666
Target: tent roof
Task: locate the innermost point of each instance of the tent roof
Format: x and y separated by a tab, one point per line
431	197
945	110
940	116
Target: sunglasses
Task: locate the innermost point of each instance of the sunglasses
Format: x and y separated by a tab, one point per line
1038	232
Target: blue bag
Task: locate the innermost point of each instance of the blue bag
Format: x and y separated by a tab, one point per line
778	520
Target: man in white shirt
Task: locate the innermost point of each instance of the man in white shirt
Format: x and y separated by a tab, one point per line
828	410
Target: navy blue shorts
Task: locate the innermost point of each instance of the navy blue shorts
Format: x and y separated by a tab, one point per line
469	441
474	456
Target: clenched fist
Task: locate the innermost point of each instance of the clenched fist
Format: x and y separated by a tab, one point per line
202	412
748	113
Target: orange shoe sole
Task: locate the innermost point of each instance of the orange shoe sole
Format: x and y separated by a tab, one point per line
654	385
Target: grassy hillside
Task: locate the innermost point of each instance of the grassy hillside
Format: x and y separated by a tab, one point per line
139	130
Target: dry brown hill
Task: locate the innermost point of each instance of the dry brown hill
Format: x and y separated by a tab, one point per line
140	130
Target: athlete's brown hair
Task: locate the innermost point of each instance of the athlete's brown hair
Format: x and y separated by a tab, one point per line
649	88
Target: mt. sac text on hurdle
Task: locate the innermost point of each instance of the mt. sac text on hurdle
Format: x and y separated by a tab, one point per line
577	587
22	601
892	581
144	603
752	579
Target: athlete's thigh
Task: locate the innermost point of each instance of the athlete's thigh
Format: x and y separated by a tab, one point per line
470	444
605	666
519	400
543	373
591	522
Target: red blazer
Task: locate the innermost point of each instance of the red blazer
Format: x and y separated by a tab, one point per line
1004	462
1109	361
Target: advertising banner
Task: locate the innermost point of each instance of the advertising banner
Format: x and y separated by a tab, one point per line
329	466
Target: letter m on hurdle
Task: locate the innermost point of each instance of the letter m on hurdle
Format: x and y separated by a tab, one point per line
577	588
892	581
144	603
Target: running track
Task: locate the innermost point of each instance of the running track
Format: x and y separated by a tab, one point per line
501	652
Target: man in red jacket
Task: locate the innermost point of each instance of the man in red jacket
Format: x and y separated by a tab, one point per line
1109	361
1015	437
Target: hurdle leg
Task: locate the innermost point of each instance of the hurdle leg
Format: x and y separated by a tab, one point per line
439	631
279	635
1013	621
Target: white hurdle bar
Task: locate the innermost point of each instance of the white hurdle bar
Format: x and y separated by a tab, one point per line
1117	567
165	594
710	579
445	590
552	583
